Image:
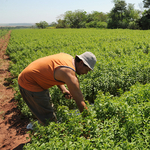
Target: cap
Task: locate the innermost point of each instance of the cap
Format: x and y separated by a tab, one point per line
88	59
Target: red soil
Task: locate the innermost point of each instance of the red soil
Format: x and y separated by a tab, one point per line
13	130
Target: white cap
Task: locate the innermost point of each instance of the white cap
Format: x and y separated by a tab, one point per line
88	59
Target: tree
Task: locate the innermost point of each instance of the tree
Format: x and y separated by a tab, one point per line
117	16
96	20
131	13
132	16
144	22
99	16
75	19
146	3
61	24
53	24
42	24
119	9
122	14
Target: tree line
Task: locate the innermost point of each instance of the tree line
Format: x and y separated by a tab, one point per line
122	15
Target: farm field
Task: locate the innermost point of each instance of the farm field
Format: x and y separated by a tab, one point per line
118	88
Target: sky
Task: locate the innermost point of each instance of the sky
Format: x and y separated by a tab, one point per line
34	11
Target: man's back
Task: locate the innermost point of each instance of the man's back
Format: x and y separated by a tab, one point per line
39	75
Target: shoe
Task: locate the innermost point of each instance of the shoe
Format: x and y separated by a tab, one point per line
30	126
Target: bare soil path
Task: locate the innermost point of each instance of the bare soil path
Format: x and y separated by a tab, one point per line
13	130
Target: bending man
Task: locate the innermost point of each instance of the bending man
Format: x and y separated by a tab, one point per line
58	69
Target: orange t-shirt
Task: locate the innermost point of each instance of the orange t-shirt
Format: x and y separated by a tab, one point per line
39	75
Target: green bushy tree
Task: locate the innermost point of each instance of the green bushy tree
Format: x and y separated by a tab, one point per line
101	24
42	24
122	14
75	19
144	22
62	24
133	25
91	24
146	3
80	19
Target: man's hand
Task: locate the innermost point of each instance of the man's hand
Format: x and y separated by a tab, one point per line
65	92
68	96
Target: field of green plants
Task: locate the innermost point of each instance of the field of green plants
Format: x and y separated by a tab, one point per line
118	90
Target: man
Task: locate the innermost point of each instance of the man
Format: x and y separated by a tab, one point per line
58	69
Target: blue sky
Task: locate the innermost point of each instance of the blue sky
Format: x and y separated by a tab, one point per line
33	11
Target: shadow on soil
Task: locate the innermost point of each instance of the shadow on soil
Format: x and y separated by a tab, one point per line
20	147
17	120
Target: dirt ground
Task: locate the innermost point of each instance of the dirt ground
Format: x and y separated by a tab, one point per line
13	130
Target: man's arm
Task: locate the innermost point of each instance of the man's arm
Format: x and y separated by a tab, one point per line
68	76
65	91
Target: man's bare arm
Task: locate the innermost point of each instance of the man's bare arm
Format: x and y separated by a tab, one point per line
68	76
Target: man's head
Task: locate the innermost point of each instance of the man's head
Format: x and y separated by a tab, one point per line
85	62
